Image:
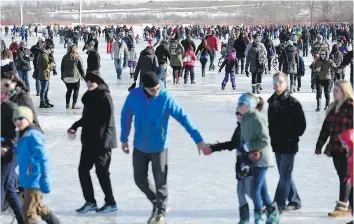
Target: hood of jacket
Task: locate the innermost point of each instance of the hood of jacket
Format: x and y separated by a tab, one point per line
147	51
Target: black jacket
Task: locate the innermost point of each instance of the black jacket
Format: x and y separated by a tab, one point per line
8	132
97	121
235	143
35	49
230	65
203	51
187	42
287	122
287	60
162	54
147	62
23	59
93	61
240	46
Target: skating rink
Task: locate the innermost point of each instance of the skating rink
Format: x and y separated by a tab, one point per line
202	190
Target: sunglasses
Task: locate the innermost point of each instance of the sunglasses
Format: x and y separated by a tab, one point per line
6	85
19	118
238	114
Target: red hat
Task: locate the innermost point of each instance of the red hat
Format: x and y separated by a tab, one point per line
347	138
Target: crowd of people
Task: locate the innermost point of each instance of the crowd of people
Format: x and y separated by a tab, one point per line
249	50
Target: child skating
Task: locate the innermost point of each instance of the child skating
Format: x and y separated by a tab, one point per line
231	65
132	57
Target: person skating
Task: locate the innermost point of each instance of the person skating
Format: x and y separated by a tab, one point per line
34	177
132	58
8	157
242	167
176	51
23	61
204	51
287	123
119	54
231	65
339	119
255	135
93	59
288	64
189	64
72	70
150	141
240	46
98	138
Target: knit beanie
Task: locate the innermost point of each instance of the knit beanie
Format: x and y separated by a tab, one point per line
23	112
248	100
150	80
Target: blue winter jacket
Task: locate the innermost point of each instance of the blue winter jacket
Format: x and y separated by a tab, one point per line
32	158
151	117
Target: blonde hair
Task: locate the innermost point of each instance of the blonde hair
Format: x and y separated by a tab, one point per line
74	52
347	91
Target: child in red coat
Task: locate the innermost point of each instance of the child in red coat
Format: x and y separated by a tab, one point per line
188	64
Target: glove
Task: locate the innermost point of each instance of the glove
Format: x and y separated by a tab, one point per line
247	73
219	70
44	184
71	134
132	87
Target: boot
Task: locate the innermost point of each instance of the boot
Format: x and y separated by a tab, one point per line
185	81
253	89
38	93
260	217
49	104
258	88
318	105
222	87
51	219
244	214
43	105
152	218
192	82
67	106
19	219
203	73
272	214
341	209
327	103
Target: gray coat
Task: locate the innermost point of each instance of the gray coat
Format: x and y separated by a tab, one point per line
255	133
255	58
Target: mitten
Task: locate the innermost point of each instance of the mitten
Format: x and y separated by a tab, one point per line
132	87
44	184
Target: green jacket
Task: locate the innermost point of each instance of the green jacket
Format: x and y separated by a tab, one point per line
255	134
44	67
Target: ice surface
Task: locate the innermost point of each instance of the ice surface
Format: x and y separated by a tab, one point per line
201	189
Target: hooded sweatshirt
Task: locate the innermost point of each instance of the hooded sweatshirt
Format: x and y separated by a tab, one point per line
189	57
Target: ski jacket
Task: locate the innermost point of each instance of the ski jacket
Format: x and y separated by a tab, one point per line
151	116
189	54
147	62
32	157
213	42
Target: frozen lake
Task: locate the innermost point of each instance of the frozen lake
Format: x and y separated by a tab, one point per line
201	189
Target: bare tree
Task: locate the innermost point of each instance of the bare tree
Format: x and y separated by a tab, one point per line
272	11
326	8
311	7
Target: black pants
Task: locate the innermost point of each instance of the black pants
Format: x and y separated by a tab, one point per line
341	166
70	87
256	78
269	59
158	195
177	71
101	158
203	61
188	70
326	84
242	63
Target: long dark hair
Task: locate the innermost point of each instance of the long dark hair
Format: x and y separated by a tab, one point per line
13	76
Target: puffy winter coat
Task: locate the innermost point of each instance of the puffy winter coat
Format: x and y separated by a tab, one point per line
32	156
189	57
255	58
326	66
71	67
240	46
176	51
162	53
287	60
213	42
255	134
147	62
23	59
44	67
93	61
317	47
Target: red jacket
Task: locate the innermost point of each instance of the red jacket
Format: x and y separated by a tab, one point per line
335	124
191	54
348	140
213	42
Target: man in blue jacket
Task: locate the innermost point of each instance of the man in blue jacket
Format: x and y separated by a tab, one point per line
152	106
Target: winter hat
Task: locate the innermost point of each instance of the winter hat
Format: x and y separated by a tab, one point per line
23	112
248	100
290	43
42	39
150	79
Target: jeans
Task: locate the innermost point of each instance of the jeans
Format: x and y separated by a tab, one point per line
226	79
242	63
101	158
44	89
8	186
38	85
260	190
305	49
24	76
157	194
341	165
188	70
244	187
212	57
203	62
118	64
286	189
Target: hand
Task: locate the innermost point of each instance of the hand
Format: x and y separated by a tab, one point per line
204	148
3	151
125	147
318	152
247	73
219	70
44	184
254	156
71	134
